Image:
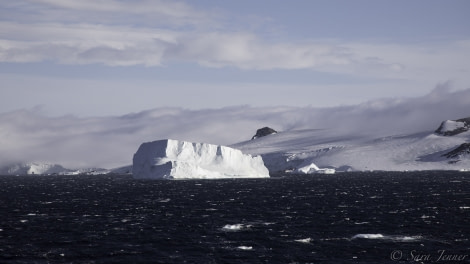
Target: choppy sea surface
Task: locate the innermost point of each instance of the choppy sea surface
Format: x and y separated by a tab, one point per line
376	217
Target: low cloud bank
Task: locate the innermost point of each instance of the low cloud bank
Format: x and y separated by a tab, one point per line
28	135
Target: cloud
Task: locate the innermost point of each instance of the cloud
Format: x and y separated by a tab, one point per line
247	51
28	135
116	45
108	12
155	33
83	44
120	45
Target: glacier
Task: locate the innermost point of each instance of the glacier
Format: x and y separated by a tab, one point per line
45	168
175	159
308	150
32	168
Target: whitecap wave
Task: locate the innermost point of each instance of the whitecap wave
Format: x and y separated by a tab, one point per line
245	247
368	236
395	238
235	227
305	240
406	238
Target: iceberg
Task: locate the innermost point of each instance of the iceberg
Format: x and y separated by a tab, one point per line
312	168
308	169
175	159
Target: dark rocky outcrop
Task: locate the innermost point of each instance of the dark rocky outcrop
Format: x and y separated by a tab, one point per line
465	127
463	149
262	132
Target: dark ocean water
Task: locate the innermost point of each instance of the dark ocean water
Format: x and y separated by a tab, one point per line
414	217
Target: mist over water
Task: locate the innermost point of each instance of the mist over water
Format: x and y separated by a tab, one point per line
377	217
110	141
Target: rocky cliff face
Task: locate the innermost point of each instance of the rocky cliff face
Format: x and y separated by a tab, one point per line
461	151
262	132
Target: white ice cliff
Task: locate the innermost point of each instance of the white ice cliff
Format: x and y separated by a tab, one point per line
174	159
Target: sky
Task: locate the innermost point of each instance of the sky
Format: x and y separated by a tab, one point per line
112	57
99	77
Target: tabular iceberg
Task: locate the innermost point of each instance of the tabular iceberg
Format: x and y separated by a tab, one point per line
174	159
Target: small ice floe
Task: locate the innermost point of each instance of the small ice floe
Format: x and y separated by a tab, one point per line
305	240
464	207
235	227
164	200
245	247
23	220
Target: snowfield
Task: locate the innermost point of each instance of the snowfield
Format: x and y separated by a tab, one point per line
33	168
41	168
294	150
450	125
454	127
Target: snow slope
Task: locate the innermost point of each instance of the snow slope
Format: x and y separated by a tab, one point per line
292	150
454	127
451	125
41	168
32	168
168	159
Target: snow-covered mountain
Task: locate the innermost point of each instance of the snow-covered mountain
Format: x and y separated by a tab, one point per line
454	127
31	168
301	151
445	149
39	168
